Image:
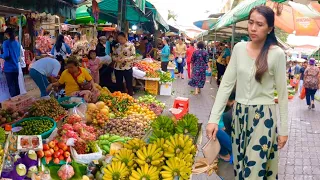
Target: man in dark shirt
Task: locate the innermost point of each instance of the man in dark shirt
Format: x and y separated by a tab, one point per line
302	69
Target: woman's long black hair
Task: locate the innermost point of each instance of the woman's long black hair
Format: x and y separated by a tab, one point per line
262	59
59	42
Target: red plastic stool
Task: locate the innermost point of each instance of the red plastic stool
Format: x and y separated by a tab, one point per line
180	107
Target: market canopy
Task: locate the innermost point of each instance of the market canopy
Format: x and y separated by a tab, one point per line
156	15
240	12
206	24
133	13
66	9
84	17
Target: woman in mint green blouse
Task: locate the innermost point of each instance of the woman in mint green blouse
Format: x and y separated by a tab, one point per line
257	68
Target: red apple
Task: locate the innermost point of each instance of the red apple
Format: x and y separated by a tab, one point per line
65	148
40	154
48	153
52	144
45	147
56	160
51	150
61	145
56	154
61	151
55	141
66	154
56	148
61	157
48	159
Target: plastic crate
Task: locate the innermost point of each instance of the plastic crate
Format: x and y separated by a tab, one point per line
18	103
152	84
153	91
152	87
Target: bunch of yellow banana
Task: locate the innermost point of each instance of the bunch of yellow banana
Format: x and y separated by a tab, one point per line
160	142
150	154
175	168
134	144
115	170
125	156
188	158
145	172
179	144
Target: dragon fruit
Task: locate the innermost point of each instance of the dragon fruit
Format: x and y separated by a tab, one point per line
73	119
67	127
71	134
78	126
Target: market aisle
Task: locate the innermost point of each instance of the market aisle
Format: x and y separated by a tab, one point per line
300	159
200	105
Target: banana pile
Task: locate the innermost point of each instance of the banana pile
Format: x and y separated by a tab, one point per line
165	159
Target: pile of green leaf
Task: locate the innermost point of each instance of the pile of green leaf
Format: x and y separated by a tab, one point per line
165	77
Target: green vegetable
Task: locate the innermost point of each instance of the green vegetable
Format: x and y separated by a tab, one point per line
165	77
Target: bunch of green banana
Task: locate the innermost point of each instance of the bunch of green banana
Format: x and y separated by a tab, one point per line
106	140
179	144
188	125
150	154
145	172
175	168
156	134
134	144
163	123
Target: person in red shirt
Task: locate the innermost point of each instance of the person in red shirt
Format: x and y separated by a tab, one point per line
189	53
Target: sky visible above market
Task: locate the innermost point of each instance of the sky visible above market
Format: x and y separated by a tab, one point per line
187	11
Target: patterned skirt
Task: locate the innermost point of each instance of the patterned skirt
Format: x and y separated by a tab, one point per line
254	142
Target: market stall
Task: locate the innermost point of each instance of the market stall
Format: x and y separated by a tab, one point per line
117	137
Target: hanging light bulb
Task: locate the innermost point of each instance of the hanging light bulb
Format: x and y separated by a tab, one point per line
134	27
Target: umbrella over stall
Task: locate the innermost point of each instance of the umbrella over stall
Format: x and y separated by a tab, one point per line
293	22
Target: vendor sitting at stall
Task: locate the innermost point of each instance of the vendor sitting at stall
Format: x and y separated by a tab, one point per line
43	69
78	81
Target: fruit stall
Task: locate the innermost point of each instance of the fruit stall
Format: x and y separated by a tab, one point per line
149	76
119	137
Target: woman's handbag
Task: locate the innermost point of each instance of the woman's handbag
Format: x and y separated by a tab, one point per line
83	86
303	93
210	151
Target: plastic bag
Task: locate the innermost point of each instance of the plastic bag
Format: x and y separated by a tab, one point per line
79	110
85	158
138	73
303	93
317	95
66	172
105	59
294	82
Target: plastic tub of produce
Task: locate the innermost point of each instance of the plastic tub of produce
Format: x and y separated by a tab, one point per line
44	134
70	102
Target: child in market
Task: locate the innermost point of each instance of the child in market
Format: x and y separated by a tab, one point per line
224	132
94	66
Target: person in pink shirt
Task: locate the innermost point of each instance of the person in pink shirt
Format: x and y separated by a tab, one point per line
94	66
189	53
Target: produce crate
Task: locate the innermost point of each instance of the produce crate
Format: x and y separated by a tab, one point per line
5	148
43	135
18	103
152	85
153	91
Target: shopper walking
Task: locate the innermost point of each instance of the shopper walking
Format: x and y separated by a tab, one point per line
180	51
189	54
199	64
60	51
302	69
222	62
11	54
165	53
123	58
257	68
311	82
